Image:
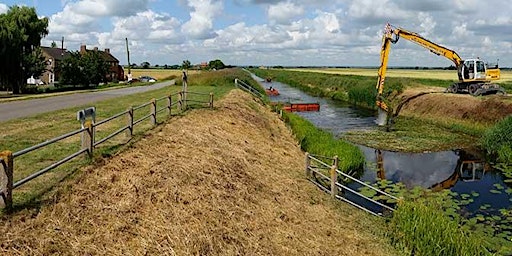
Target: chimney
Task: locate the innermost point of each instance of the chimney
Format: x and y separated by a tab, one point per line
83	48
95	49
107	50
62	47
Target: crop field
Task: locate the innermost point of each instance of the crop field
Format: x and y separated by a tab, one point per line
506	76
159	74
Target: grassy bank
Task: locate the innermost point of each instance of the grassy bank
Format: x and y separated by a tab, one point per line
25	132
319	142
223	182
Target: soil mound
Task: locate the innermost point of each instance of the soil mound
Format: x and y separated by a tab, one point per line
485	110
222	182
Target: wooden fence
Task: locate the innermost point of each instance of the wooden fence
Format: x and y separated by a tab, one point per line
88	138
335	182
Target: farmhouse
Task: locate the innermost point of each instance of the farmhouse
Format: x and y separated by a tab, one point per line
116	71
53	57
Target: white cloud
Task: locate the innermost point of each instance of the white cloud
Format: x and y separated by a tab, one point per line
68	22
200	25
377	10
3	8
102	8
427	24
284	12
147	25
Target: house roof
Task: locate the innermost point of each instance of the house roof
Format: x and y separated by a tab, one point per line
106	56
56	53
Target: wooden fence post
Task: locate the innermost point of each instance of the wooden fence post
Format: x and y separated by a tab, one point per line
152	109
334	177
87	138
6	179
211	100
308	164
129	123
180	101
169	103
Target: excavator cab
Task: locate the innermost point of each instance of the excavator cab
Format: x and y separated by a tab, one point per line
473	70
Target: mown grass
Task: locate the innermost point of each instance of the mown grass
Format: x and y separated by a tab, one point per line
319	142
25	132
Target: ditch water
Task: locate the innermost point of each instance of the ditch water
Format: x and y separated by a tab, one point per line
462	171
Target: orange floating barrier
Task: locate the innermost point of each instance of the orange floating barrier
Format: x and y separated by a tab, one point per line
301	107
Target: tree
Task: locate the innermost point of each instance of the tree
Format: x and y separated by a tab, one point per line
145	65
54	44
186	64
21	32
216	64
83	69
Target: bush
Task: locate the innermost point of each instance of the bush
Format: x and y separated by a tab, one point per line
498	140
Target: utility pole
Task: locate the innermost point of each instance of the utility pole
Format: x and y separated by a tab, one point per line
129	66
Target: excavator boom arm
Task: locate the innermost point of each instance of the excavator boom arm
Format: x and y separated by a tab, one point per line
433	47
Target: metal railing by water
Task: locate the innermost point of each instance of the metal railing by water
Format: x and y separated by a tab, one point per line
88	141
334	184
244	86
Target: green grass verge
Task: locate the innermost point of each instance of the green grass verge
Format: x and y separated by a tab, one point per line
319	142
25	132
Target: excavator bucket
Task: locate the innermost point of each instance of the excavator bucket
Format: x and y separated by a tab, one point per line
381	118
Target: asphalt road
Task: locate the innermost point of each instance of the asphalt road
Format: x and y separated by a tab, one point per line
24	108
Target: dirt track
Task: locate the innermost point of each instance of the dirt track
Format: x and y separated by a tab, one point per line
223	182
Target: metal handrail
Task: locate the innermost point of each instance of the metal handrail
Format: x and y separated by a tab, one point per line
160	110
358	206
198	93
143	105
198	101
363	196
48	142
366	185
53	166
111	135
142	119
315	170
248	88
320	162
111	118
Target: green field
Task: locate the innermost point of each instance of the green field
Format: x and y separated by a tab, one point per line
506	76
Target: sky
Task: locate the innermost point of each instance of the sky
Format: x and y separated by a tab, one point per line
278	32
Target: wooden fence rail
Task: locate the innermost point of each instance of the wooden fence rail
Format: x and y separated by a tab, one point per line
88	139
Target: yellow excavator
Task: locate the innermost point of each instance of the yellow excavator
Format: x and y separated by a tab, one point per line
474	75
